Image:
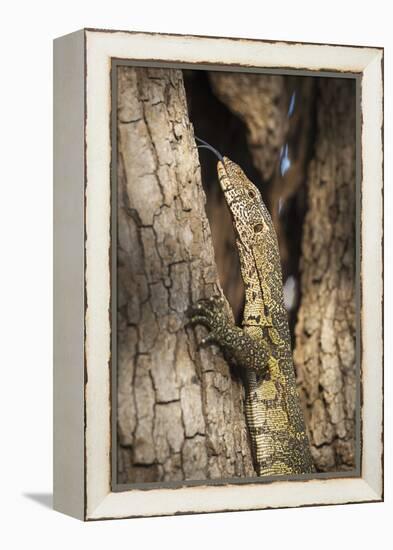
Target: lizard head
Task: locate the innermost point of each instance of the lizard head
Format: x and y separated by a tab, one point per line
250	216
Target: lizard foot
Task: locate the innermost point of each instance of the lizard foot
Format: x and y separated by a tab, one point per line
246	351
210	314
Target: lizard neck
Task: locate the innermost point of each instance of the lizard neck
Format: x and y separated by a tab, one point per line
264	311
254	314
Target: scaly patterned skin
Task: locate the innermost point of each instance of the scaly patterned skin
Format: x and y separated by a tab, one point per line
262	347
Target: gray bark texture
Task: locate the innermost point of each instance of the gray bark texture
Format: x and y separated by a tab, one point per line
326	326
180	409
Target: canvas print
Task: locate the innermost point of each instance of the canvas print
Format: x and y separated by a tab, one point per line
234	229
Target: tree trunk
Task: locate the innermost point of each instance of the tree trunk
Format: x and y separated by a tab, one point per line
180	409
325	331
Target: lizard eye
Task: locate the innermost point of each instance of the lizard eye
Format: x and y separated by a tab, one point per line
251	194
258	228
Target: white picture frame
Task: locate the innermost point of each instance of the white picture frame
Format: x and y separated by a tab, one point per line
82	176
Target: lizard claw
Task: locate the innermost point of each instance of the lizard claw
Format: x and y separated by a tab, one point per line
199	320
209	339
199	310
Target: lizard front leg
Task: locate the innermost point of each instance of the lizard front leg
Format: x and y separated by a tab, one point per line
248	352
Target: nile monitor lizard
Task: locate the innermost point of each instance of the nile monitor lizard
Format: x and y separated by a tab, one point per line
262	347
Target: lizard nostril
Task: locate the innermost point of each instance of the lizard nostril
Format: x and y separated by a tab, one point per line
258	228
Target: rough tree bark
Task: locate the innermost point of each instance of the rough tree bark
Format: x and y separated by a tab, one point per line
180	412
325	332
